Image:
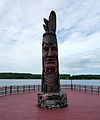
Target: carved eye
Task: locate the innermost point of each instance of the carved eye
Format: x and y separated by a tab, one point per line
46	48
53	48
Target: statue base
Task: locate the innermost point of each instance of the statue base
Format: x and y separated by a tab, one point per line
52	100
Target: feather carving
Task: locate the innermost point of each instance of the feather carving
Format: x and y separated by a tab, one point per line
50	25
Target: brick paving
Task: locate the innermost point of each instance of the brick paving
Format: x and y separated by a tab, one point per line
23	106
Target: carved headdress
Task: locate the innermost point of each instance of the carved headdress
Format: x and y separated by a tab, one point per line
50	29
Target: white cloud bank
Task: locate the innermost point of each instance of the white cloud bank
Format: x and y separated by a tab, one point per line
78	33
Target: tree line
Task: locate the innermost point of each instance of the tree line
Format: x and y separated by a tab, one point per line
85	77
27	76
20	76
39	76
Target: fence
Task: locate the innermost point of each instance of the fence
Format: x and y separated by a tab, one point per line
7	90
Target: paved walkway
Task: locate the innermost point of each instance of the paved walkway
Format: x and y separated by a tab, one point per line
82	106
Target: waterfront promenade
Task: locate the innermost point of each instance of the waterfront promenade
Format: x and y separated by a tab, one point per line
23	106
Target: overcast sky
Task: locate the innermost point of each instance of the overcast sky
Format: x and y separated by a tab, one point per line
78	35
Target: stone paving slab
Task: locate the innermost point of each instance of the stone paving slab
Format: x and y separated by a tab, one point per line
23	106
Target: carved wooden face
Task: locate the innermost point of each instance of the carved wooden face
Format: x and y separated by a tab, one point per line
50	55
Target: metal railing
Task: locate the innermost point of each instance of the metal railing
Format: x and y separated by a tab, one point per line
7	90
81	88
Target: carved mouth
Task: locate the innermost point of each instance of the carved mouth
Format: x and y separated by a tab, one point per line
50	62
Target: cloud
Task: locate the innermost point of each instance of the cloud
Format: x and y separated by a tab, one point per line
78	33
81	53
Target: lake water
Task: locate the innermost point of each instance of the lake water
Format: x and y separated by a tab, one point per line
8	82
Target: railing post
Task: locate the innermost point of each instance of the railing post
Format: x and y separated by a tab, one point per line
74	87
34	88
5	90
29	88
66	87
23	88
17	89
85	88
38	87
98	89
71	84
10	89
79	87
91	89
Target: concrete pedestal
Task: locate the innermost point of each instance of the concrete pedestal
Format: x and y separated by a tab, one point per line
52	100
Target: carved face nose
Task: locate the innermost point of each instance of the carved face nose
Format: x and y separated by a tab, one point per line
50	52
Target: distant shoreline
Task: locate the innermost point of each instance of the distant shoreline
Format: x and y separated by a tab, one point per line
39	76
